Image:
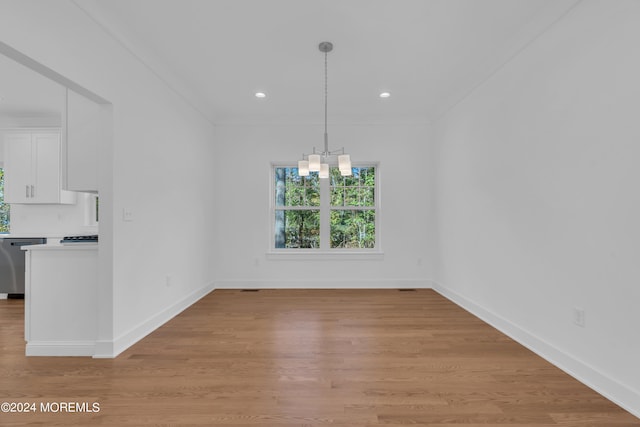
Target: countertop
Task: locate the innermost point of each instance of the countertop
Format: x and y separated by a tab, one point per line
23	236
31	236
59	247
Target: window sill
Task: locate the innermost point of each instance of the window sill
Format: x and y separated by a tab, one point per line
287	255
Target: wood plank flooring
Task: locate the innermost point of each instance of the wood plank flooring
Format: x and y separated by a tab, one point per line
306	358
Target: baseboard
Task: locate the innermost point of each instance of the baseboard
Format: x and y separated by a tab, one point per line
111	349
610	388
323	284
104	350
60	348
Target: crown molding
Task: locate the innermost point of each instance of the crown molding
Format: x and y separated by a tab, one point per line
138	48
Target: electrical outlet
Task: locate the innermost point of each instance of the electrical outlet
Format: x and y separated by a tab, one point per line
167	281
579	317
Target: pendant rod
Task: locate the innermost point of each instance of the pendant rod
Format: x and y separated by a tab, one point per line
326	47
326	93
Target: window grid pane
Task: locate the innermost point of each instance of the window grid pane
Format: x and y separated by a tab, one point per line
294	190
353	228
297	229
356	190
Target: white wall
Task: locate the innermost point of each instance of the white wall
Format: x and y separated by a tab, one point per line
159	167
538	200
245	153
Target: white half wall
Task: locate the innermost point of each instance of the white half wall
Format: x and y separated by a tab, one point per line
537	197
158	168
244	157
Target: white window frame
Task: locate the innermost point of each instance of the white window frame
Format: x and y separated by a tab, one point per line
325	251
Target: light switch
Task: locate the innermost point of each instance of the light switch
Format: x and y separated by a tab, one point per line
127	214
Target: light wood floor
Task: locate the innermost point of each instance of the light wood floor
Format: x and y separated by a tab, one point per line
307	358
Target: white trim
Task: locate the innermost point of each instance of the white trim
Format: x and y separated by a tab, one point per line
139	51
60	348
619	393
320	255
104	350
31	129
324	284
110	349
325	212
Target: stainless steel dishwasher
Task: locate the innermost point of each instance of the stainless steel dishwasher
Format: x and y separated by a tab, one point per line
12	264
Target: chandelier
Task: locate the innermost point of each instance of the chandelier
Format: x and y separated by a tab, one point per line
318	160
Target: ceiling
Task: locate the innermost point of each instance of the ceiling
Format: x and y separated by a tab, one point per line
428	54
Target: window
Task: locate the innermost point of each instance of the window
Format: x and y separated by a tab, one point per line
4	207
338	213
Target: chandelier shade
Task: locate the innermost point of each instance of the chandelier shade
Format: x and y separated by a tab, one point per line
344	162
303	167
314	162
324	170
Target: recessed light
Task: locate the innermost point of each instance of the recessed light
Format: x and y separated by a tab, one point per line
261	95
385	94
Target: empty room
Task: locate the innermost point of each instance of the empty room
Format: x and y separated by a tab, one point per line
320	213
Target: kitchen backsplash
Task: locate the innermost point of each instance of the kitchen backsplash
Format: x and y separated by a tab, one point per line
54	220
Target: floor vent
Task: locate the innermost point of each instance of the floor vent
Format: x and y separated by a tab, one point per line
250	290
406	290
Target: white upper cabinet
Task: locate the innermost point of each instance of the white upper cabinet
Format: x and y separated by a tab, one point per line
85	128
32	169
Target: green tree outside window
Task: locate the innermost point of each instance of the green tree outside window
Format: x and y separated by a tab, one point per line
4	207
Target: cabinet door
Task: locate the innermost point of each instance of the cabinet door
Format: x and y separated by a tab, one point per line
18	168
46	168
